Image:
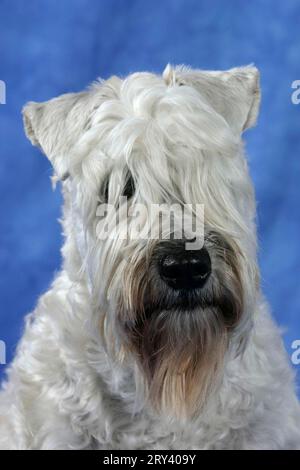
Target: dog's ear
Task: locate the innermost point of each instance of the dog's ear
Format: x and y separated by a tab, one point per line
243	95
235	93
55	125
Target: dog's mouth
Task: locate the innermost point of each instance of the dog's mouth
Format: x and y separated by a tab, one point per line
179	305
181	300
195	302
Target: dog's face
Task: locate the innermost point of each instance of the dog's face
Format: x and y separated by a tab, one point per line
175	304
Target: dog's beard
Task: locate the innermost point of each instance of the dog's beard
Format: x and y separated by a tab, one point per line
181	355
180	339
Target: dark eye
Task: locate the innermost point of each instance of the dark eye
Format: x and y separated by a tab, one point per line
104	190
129	188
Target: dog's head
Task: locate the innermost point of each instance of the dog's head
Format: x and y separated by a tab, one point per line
175	304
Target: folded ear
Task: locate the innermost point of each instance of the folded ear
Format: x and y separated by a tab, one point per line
55	125
235	93
242	84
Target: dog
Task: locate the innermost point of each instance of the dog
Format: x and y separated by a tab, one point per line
147	342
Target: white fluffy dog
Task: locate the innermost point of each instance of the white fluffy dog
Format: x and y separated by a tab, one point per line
141	343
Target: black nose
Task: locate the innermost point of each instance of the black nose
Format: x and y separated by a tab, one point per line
185	269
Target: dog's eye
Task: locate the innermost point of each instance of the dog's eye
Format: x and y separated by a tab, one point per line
129	188
104	190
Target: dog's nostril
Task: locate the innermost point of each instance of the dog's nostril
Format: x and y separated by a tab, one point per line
186	269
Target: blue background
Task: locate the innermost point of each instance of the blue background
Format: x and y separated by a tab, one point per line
50	47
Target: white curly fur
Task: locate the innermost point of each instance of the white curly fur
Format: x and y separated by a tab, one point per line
65	388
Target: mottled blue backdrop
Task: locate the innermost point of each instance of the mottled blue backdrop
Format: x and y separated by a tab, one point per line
49	47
